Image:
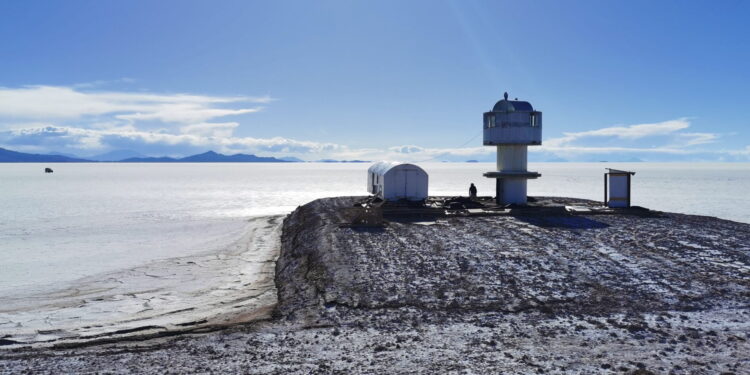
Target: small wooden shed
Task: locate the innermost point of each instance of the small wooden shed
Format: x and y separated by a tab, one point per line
617	188
395	181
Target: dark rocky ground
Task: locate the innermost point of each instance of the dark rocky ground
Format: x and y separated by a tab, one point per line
535	291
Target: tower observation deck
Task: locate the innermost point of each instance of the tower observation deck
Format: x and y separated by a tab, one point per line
512	126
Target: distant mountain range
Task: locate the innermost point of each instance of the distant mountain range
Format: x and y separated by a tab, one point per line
116	155
208	157
128	156
8	156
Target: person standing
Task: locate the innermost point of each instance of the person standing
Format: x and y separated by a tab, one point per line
472	191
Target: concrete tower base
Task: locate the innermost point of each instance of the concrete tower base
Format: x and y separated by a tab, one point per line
510	190
511	174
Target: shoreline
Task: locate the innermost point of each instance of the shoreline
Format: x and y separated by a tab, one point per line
160	298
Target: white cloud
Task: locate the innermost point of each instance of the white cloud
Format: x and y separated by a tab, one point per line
186	113
742	152
568	150
693	139
630	132
201	137
101	82
221	130
638	131
666	135
66	103
79	118
198	137
406	149
82	121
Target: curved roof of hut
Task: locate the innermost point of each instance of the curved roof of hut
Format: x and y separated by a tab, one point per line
384	167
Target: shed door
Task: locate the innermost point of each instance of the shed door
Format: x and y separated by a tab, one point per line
402	183
411	188
618	190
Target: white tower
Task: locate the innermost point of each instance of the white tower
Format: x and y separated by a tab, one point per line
512	126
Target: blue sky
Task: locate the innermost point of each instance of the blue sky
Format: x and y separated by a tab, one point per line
404	80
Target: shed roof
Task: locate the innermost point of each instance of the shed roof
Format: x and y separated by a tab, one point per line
618	171
383	167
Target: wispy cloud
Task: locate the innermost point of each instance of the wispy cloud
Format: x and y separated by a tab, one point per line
629	132
101	82
743	152
694	139
82	121
407	149
65	103
660	141
216	136
199	138
219	130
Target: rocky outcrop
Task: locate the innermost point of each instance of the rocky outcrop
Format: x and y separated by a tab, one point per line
531	260
312	264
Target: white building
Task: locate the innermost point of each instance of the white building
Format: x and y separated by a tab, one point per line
617	188
512	126
394	181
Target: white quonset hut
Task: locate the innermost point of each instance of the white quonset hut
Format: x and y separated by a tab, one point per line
512	126
394	181
618	194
